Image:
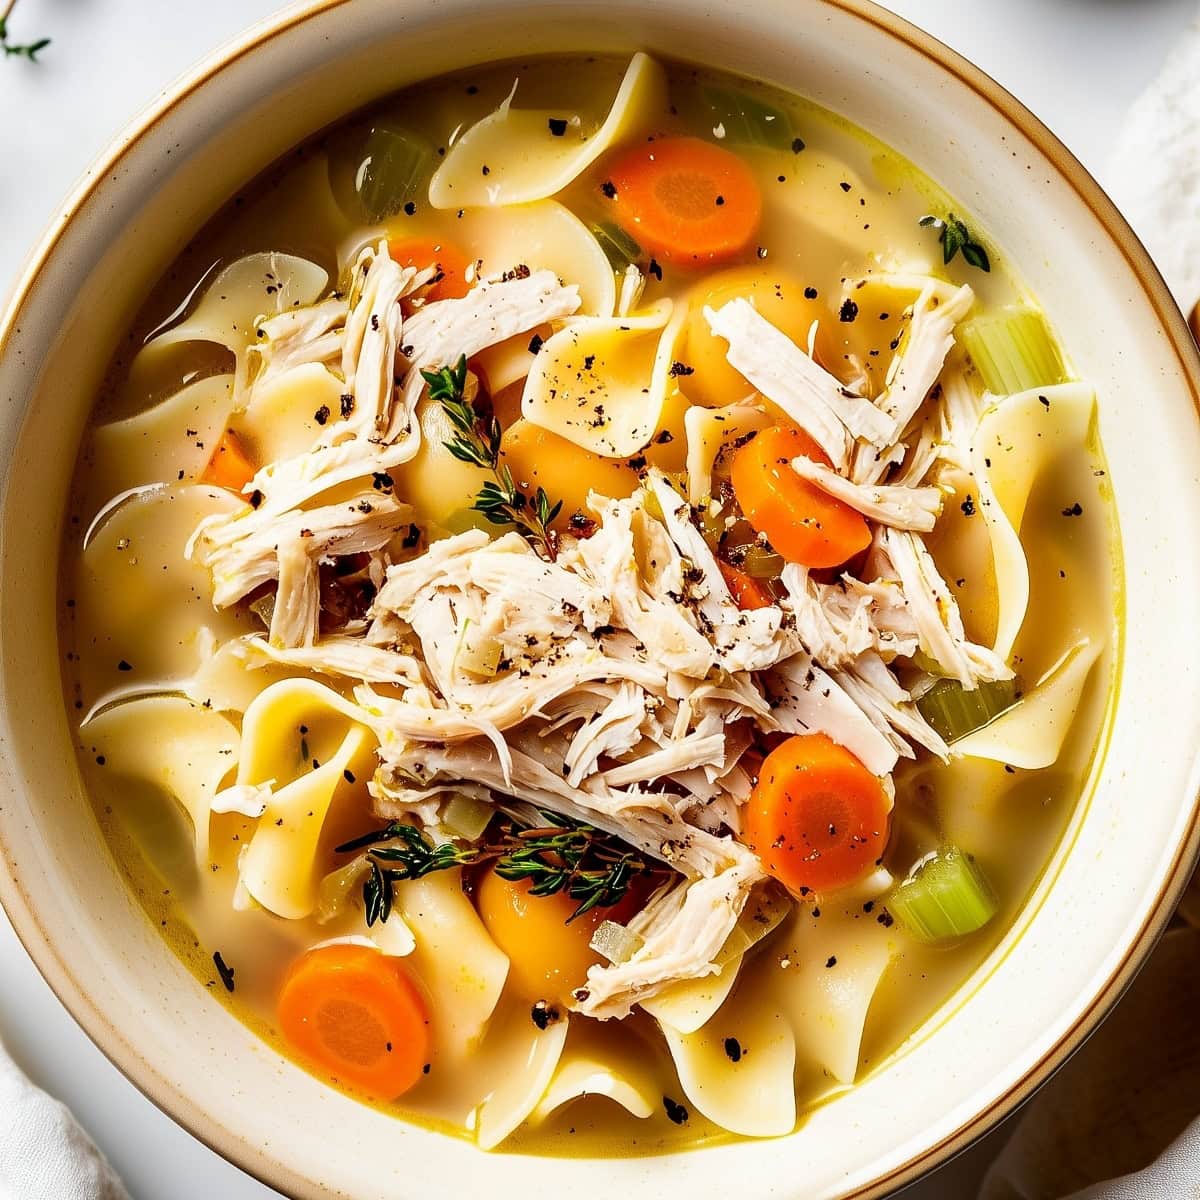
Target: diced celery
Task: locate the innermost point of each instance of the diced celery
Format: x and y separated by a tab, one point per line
712	523
264	608
615	942
746	121
954	711
394	164
339	888
1013	350
761	563
467	817
619	248
480	655
945	896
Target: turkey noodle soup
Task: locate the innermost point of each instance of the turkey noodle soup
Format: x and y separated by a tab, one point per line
589	604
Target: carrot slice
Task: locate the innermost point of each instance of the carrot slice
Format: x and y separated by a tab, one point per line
748	593
355	1013
229	467
686	200
450	282
801	522
817	818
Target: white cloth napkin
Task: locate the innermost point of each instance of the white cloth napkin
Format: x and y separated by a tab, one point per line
44	1154
1126	1109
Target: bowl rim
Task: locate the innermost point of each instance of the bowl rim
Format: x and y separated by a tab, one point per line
273	1170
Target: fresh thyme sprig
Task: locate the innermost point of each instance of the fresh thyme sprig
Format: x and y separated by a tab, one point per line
29	50
955	236
590	866
477	441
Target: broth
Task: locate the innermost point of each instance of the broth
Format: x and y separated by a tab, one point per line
839	211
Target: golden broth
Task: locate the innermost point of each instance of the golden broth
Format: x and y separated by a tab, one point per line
832	211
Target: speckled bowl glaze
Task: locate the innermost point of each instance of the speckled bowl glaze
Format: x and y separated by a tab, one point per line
1127	854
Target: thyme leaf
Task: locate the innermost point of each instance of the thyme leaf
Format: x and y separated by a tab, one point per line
476	441
955	237
592	867
29	50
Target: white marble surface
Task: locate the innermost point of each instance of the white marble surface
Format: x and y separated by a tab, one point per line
1076	63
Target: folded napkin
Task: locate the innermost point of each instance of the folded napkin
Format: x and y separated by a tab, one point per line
44	1154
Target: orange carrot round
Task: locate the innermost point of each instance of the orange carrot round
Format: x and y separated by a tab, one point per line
748	593
230	467
817	818
451	263
355	1013
801	522
685	200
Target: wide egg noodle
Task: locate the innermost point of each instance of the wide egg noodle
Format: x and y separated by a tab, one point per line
747	1089
1018	439
285	415
461	968
544	234
258	285
709	431
301	739
513	156
686	1006
835	962
133	576
1031	734
602	384
225	681
600	1060
167	443
176	746
517	1063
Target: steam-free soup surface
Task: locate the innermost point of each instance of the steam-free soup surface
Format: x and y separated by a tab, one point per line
842	698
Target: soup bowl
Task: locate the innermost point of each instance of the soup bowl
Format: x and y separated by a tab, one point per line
1126	855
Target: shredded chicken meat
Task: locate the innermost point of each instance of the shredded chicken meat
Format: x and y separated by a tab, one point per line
616	682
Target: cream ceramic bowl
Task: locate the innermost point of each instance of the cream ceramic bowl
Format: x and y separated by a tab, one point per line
1127	854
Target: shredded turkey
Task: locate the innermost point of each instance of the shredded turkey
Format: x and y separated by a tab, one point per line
915	508
682	931
936	613
613	680
298	337
788	377
916	367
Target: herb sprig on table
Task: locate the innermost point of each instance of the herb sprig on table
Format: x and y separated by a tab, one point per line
956	237
589	865
477	441
29	50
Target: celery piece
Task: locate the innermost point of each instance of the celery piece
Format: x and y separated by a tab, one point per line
615	942
619	248
264	608
746	121
466	817
945	896
1013	350
759	562
480	656
954	711
394	164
